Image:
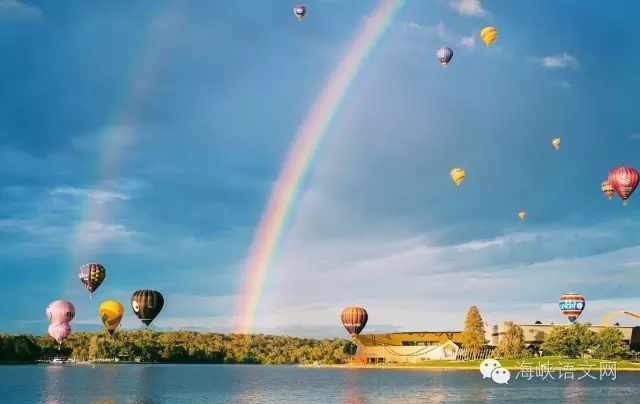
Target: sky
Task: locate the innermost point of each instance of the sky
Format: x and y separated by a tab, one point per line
147	136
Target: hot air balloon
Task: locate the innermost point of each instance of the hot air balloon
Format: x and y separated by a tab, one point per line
556	142
60	331
60	311
147	304
299	11
624	180
607	189
444	55
522	215
92	275
111	313
489	35
457	175
571	305
354	319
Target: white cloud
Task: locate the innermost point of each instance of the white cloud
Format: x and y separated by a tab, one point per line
472	8
18	10
561	61
96	196
438	30
468	41
634	136
563	84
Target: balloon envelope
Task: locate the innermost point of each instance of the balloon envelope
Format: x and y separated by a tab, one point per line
60	311
522	214
92	275
60	331
147	304
571	305
111	313
299	11
354	319
444	55
489	35
607	189
556	143
624	180
457	175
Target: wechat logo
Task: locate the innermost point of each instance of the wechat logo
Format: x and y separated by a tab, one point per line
492	369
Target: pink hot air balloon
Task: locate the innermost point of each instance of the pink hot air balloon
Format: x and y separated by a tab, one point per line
60	311
624	180
60	331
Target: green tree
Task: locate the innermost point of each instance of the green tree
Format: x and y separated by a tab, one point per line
571	341
610	344
473	337
511	345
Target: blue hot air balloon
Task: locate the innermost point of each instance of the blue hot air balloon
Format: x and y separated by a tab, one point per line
444	56
571	305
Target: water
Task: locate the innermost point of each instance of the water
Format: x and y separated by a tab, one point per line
212	384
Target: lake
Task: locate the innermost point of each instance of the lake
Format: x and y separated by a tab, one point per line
244	384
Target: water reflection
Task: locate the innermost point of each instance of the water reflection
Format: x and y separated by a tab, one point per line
352	394
144	377
54	386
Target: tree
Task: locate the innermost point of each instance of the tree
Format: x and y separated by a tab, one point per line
511	345
571	341
473	337
610	344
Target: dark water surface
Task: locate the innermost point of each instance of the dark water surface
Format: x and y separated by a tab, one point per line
151	384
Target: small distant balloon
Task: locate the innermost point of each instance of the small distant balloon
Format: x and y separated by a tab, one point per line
299	11
444	55
624	181
556	143
522	215
354	319
457	175
571	305
92	275
60	311
607	189
60	331
489	35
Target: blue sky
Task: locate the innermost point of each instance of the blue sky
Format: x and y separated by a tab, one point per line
195	106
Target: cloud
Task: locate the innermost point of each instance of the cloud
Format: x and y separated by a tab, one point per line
563	84
634	136
561	61
468	41
15	9
472	8
438	30
97	196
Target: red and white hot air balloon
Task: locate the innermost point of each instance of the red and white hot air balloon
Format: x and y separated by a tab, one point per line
624	180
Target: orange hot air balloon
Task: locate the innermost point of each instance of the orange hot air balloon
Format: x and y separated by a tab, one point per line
522	215
354	319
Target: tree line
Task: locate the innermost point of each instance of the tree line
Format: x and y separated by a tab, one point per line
178	347
574	341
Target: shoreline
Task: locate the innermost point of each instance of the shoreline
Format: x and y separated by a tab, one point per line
461	368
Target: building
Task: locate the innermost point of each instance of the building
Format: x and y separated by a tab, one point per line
415	347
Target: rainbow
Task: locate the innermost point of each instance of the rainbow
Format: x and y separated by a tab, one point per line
136	89
284	195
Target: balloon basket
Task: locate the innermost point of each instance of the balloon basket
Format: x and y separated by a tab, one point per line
90	295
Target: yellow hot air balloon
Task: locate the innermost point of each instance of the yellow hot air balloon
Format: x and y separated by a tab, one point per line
111	313
556	142
522	214
457	175
489	35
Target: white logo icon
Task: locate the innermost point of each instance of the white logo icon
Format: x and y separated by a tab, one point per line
492	369
501	375
624	179
487	366
134	306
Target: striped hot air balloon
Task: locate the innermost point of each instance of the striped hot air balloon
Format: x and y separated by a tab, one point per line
571	305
